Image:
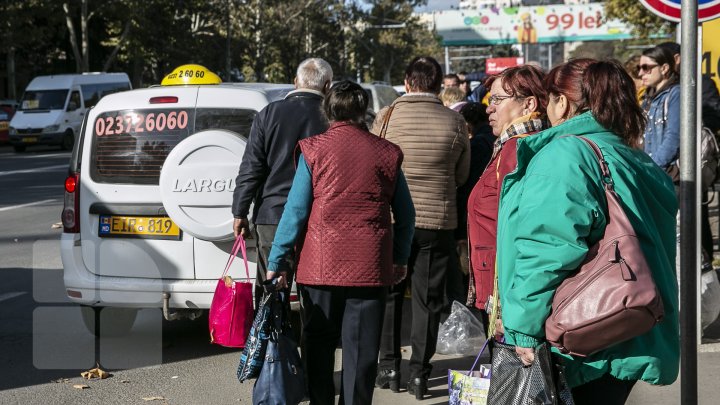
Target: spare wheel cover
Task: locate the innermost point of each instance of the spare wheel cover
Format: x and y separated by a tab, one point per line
197	183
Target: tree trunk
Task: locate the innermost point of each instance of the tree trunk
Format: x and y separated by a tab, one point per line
113	54
73	38
259	59
12	92
84	32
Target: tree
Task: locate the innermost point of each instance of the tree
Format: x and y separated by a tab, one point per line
391	37
644	23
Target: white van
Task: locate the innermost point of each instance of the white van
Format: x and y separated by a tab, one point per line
52	107
147	217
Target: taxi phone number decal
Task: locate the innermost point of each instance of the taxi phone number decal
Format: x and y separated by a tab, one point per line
137	122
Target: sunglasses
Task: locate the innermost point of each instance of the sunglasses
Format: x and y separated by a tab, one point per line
646	68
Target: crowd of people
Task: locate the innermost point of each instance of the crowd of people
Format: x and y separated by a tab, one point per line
484	196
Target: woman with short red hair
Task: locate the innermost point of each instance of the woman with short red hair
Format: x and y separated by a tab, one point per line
516	109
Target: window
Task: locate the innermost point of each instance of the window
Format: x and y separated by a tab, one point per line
130	146
92	93
44	100
74	103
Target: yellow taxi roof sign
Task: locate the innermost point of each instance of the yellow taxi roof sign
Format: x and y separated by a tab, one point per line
190	74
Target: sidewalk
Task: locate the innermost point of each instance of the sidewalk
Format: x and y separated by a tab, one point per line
643	393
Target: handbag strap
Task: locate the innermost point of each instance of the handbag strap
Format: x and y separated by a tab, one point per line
606	177
478	356
239	245
386	120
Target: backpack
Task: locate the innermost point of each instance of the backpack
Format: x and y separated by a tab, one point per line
709	157
709	153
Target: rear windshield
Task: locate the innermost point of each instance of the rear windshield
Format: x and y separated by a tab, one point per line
43	100
130	146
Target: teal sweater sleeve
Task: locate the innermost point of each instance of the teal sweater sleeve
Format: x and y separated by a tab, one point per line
294	218
404	214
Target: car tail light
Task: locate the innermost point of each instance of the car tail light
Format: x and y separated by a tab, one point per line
163	100
71	211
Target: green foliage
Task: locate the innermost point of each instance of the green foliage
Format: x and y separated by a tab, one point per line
266	39
644	23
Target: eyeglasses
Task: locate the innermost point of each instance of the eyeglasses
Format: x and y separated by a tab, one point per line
645	68
496	100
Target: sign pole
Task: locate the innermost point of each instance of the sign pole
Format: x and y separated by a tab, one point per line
689	266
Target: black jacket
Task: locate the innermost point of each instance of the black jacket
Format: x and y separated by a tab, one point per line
710	104
268	165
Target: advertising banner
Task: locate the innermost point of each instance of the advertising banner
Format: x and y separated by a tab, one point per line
496	65
711	50
520	25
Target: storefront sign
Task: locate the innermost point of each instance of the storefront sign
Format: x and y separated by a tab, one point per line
513	25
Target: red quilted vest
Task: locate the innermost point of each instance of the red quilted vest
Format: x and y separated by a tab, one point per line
349	238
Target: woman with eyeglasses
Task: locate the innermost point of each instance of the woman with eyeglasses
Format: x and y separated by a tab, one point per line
516	109
662	103
554	210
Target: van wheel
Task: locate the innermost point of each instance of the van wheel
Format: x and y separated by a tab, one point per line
19	148
112	321
68	141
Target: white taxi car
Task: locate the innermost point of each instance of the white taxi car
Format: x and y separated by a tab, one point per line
147	219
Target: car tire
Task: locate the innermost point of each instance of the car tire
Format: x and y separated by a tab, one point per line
68	141
19	148
111	321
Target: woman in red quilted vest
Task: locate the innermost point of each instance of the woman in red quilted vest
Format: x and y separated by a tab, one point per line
517	109
347	191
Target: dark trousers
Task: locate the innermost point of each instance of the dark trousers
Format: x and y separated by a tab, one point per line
456	285
390	355
264	235
706	237
354	316
435	249
606	390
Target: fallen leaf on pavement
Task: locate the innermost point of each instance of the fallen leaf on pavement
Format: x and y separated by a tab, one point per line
96	372
153	398
81	386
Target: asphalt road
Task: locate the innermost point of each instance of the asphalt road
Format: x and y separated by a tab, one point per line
44	345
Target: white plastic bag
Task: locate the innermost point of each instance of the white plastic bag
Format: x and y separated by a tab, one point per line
709	298
461	333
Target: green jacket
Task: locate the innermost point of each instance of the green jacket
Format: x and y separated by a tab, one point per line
552	209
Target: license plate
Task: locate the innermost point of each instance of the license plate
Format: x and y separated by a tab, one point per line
29	139
138	227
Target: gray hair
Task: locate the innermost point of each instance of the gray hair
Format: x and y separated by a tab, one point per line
313	73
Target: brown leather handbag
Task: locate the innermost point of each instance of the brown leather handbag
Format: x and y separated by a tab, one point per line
612	297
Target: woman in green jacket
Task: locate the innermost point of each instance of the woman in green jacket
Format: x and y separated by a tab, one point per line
553	208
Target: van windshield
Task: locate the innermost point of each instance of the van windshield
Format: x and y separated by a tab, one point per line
43	100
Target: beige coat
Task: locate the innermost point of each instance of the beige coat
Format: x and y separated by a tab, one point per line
434	140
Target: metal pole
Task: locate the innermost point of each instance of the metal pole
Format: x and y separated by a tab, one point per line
689	266
447	60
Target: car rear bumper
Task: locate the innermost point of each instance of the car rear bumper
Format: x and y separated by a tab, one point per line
86	288
36	139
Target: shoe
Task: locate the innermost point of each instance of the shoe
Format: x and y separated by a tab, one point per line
418	387
388	379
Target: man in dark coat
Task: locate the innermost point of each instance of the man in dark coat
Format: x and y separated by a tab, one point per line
268	165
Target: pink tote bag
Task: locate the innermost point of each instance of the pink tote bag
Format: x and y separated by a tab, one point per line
231	311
